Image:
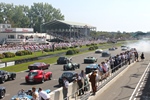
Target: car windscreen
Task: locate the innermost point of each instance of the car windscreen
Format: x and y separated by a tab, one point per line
67	75
32	73
36	64
93	66
61	58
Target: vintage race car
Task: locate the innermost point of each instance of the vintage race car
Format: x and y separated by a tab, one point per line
38	65
124	48
26	95
70	75
5	76
38	76
90	68
90	60
105	54
112	49
98	51
2	92
71	66
63	60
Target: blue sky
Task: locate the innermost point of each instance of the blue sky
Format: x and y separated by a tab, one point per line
106	15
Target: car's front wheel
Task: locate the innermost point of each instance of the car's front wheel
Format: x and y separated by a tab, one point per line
42	80
78	66
13	77
2	80
50	77
2	94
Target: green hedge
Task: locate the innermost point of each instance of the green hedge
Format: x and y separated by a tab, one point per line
22	53
2	56
9	54
72	52
93	47
58	48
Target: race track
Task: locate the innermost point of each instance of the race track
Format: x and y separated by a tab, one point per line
12	87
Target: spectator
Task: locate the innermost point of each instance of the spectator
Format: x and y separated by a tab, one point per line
92	79
43	95
112	64
142	56
85	80
136	56
65	87
100	72
80	84
35	95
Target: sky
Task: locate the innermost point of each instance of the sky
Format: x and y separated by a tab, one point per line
106	15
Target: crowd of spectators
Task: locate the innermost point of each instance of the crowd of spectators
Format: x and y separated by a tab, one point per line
37	47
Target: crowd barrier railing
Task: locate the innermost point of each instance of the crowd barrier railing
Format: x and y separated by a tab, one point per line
73	87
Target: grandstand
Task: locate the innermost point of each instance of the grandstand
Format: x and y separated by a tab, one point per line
67	31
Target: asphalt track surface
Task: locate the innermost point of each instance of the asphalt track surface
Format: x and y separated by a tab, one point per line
130	85
12	87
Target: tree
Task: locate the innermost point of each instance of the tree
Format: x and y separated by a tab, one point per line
41	13
23	16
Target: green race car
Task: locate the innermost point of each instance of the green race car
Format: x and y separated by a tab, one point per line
71	66
90	60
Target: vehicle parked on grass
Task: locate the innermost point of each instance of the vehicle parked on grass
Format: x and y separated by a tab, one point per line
38	65
70	75
2	92
90	60
5	76
98	51
90	68
63	60
71	66
26	95
38	76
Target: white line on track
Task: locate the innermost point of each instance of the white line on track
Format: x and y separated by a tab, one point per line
139	83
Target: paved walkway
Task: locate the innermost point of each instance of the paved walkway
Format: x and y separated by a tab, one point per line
124	85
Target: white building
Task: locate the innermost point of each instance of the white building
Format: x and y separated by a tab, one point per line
21	35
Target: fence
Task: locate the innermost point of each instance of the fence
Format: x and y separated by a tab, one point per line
101	83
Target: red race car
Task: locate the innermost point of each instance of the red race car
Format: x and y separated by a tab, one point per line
38	76
38	65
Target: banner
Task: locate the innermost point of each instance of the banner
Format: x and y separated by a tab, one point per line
2	65
10	63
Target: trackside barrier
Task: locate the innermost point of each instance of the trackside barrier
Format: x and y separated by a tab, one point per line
73	87
101	83
58	95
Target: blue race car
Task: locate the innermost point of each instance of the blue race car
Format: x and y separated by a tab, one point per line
90	68
26	95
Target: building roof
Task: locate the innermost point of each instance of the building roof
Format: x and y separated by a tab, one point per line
74	24
68	24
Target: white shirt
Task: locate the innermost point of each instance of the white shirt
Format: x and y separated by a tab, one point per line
44	95
66	83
